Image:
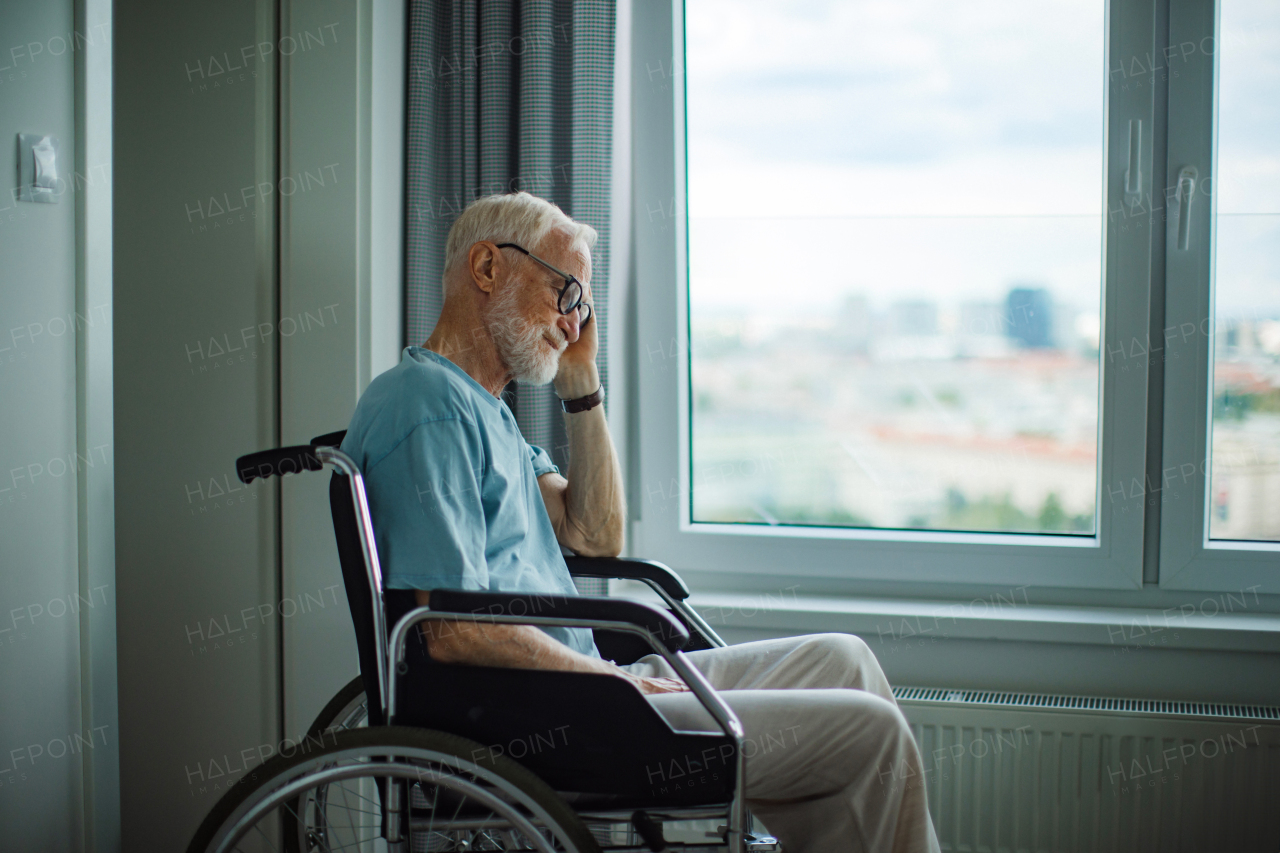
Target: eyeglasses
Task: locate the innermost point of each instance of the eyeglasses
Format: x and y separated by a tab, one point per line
570	297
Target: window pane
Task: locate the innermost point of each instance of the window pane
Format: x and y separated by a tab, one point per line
895	244
1245	486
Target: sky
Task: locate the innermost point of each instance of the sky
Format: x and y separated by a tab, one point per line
1247	253
936	150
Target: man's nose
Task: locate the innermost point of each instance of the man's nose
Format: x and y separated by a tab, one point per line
568	323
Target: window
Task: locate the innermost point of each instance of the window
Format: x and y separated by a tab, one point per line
1245	447
1221	500
907	278
895	263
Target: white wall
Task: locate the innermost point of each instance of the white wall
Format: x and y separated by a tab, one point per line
197	682
58	733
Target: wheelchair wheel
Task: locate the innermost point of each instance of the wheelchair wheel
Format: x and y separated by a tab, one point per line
348	709
454	794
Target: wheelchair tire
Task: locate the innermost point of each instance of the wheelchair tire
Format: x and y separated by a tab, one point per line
348	709
364	752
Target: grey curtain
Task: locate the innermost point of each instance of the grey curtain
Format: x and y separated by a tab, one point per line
507	96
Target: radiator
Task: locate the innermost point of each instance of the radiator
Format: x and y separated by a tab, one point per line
1035	772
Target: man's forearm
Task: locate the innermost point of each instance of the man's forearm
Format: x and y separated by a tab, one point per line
521	647
488	644
594	501
525	647
595	505
515	646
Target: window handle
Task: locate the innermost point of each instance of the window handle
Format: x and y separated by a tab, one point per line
1186	192
1133	174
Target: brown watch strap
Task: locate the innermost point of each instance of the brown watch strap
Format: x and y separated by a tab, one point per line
582	404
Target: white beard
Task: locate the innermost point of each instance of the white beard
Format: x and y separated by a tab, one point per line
522	345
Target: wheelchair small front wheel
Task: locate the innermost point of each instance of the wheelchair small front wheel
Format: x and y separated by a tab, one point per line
397	789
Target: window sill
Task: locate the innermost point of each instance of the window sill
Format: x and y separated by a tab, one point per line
890	620
887	620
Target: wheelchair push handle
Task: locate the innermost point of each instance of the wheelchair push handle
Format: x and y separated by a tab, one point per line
277	462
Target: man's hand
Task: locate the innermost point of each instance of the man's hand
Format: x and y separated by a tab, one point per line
657	684
578	375
647	684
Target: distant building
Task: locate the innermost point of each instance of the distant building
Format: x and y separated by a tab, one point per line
1029	313
983	331
853	324
913	317
982	319
911	333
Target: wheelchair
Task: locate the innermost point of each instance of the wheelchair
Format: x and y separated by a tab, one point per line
415	755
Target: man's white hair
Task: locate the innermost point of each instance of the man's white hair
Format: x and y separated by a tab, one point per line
510	218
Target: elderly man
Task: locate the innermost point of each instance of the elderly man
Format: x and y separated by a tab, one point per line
461	501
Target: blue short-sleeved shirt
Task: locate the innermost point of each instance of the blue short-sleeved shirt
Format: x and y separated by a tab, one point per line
453	487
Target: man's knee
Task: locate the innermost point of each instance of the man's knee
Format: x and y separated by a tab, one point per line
887	719
846	647
897	758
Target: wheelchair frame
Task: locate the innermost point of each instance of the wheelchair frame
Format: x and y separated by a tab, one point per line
390	646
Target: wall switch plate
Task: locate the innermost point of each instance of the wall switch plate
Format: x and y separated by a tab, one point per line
38	166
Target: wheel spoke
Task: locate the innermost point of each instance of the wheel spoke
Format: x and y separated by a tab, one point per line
355	843
450	805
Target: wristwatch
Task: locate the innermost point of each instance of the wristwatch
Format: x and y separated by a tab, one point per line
583	404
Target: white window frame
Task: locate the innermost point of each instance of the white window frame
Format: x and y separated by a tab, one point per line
1112	559
1189	559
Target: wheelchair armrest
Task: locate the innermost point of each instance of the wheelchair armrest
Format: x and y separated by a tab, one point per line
572	607
641	570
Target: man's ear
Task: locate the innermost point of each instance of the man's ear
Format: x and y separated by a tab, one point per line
484	260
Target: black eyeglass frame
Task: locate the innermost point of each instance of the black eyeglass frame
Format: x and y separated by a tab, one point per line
569	281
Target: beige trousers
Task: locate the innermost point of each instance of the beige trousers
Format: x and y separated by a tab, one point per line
831	764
